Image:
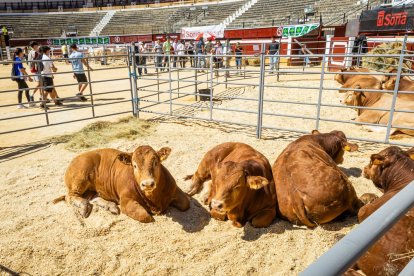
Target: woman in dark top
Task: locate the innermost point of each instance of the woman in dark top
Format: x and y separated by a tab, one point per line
20	75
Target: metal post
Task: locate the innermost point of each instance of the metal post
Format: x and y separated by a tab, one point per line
211	87
261	94
395	93
169	82
408	270
318	114
278	60
134	82
129	61
104	54
195	77
90	88
158	78
178	80
43	94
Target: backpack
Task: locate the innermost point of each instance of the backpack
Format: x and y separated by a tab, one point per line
13	75
38	64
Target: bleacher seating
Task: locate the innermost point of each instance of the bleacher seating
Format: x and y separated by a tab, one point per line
50	24
171	19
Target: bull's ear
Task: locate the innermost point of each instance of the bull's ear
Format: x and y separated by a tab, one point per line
350	147
410	153
377	159
163	153
343	69
257	182
315	132
125	158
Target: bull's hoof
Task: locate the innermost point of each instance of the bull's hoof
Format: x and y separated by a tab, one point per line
237	224
86	209
146	219
368	198
114	210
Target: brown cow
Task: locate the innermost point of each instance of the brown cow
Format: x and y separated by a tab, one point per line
405	85
137	181
310	188
242	186
390	170
381	101
343	78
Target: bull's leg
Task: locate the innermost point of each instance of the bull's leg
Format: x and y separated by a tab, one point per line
236	218
181	200
80	204
201	175
134	210
206	197
106	205
264	218
368	198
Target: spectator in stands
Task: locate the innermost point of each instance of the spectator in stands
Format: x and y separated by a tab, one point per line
34	65
77	60
227	51
174	46
303	51
190	52
201	61
20	75
239	52
208	49
273	51
166	47
65	53
218	58
47	76
5	33
360	47
158	57
181	54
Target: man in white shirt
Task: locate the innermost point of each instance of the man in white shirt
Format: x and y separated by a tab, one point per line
47	73
181	53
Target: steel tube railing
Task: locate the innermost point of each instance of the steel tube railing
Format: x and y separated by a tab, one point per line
350	248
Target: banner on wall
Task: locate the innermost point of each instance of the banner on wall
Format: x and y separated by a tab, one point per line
213	31
81	40
297	30
387	19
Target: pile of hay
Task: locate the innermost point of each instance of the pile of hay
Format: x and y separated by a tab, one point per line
381	62
102	132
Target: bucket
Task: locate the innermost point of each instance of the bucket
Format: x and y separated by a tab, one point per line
204	94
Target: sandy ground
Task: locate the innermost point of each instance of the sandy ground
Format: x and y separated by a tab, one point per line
38	237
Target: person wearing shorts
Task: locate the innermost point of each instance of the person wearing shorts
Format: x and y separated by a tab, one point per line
47	73
77	60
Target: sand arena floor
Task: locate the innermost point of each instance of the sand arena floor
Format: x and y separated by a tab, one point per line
38	237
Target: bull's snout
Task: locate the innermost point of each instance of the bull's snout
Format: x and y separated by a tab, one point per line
217	204
147	184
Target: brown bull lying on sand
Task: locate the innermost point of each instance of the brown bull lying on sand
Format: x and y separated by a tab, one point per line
242	187
383	101
390	170
405	85
310	188
137	181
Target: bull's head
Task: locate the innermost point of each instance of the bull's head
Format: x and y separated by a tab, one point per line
146	164
380	162
335	144
389	84
232	182
340	77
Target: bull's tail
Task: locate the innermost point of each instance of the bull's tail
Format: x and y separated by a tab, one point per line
300	211
61	198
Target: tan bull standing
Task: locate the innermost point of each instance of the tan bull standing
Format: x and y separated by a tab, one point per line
137	181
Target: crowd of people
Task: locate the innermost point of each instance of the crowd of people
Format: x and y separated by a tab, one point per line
41	70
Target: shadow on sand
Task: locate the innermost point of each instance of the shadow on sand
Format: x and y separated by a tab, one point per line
192	220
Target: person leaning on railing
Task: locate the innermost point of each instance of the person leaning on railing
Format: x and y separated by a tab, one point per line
273	51
158	55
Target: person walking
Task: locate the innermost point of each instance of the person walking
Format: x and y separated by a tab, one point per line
201	60
181	54
227	51
190	53
273	50
166	47
65	52
77	60
47	74
158	55
20	75
208	48
239	52
218	58
34	58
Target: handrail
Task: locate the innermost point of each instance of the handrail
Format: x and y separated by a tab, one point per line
350	248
